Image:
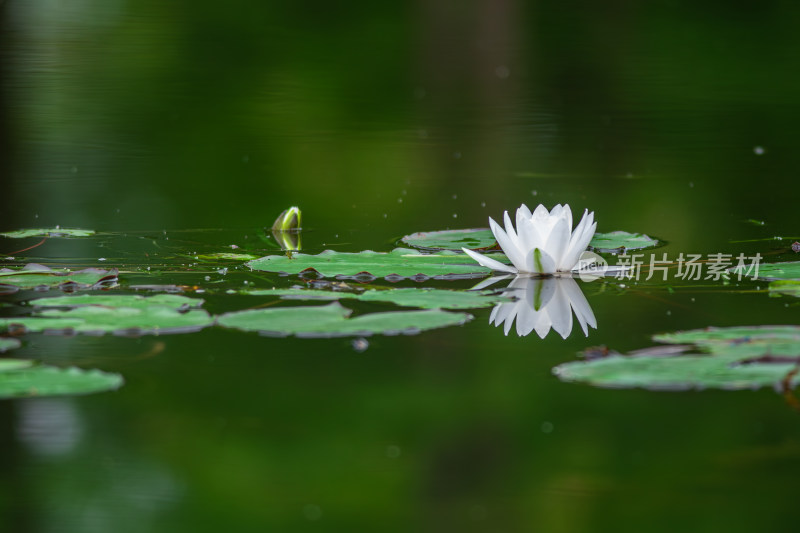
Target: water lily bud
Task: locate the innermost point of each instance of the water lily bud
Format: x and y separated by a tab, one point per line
289	220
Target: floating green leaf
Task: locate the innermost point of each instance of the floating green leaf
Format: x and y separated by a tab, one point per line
35	275
301	294
138	301
22	379
226	256
422	298
454	239
332	321
482	238
122	313
15	364
51	232
399	263
675	373
716	339
7	344
620	241
769	271
744	357
786	287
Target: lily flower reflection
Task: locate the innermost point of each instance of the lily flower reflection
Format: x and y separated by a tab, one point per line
543	242
542	304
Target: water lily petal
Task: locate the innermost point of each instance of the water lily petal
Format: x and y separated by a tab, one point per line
506	317
526	319
558	242
580	305
488	262
523	209
502	312
543	221
580	240
493	314
560	311
529	235
507	244
539	261
510	230
488	282
542	325
567	214
541	291
540	212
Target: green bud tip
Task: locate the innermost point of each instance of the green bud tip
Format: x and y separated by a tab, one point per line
289	220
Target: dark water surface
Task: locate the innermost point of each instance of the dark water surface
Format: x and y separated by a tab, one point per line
179	126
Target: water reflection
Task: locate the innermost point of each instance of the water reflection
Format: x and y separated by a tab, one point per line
541	304
289	241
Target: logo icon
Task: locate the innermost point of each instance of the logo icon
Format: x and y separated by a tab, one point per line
591	266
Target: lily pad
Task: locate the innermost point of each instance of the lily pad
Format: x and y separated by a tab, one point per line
621	241
785	287
453	239
34	275
422	298
226	256
51	232
7	344
138	301
398	264
15	364
482	238
770	271
23	379
333	320
746	357
123	314
675	373
727	339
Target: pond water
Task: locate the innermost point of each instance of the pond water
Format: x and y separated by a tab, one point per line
176	130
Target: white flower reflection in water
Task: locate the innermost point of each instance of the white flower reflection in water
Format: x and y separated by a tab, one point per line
544	303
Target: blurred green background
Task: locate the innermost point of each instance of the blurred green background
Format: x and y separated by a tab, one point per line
676	119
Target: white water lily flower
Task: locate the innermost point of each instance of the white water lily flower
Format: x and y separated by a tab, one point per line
543	304
543	243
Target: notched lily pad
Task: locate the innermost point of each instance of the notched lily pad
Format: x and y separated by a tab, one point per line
422	298
746	357
482	238
126	314
333	320
50	232
398	264
34	275
23	379
769	271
